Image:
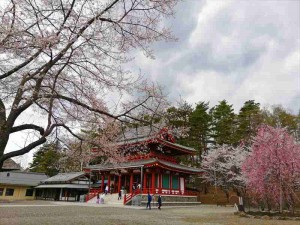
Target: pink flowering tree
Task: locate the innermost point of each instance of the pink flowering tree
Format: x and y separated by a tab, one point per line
62	60
222	166
273	168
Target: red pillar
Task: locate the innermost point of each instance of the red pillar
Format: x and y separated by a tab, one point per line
119	186
160	181
179	187
184	185
108	182
131	182
171	183
153	183
145	183
102	183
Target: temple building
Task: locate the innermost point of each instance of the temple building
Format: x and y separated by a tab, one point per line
150	165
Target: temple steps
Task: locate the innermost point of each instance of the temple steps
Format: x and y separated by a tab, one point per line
111	199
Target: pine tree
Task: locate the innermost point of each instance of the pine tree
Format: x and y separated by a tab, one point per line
46	160
249	118
178	118
199	128
223	125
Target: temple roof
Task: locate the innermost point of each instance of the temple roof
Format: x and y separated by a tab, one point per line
151	134
137	134
146	163
176	146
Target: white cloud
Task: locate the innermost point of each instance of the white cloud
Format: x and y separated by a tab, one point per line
236	50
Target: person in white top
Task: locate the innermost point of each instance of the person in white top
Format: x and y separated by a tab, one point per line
106	189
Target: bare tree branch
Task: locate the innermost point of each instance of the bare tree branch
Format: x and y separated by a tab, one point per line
27	127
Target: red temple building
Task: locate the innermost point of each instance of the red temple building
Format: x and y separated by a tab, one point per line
150	166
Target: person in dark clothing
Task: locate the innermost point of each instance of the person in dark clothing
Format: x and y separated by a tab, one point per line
149	201
159	202
98	199
120	195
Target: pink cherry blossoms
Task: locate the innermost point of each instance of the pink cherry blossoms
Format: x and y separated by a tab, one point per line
273	168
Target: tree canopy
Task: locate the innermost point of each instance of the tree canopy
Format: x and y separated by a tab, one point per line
61	58
46	160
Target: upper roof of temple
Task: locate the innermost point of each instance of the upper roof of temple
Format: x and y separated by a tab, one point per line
153	136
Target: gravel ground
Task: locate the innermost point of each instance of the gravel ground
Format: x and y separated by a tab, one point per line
40	214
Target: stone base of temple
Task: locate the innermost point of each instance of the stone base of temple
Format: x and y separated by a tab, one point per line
173	204
167	200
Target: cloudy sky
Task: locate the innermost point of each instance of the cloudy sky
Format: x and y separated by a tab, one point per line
233	50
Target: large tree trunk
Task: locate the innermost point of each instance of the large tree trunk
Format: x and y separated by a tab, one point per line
4	133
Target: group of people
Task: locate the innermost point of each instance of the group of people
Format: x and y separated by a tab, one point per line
100	198
151	198
135	187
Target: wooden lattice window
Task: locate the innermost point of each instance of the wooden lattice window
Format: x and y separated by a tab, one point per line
166	181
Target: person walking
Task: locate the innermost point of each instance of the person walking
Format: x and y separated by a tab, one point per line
120	195
98	199
102	196
159	202
149	201
153	199
106	189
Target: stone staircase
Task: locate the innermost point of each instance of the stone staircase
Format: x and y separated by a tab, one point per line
109	199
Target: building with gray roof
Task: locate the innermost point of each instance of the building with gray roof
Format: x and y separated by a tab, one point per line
17	185
64	187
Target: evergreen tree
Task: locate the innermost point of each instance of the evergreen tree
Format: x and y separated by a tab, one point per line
178	118
249	119
199	128
223	124
46	160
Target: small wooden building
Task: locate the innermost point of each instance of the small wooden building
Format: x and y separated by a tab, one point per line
64	187
16	185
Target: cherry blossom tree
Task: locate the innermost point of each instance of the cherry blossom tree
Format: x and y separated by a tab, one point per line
222	166
273	168
62	58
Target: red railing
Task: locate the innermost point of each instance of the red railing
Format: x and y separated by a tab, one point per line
93	192
128	197
165	191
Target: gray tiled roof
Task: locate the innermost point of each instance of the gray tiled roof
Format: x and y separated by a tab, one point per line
180	146
71	186
10	164
63	177
142	162
21	178
138	134
127	164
